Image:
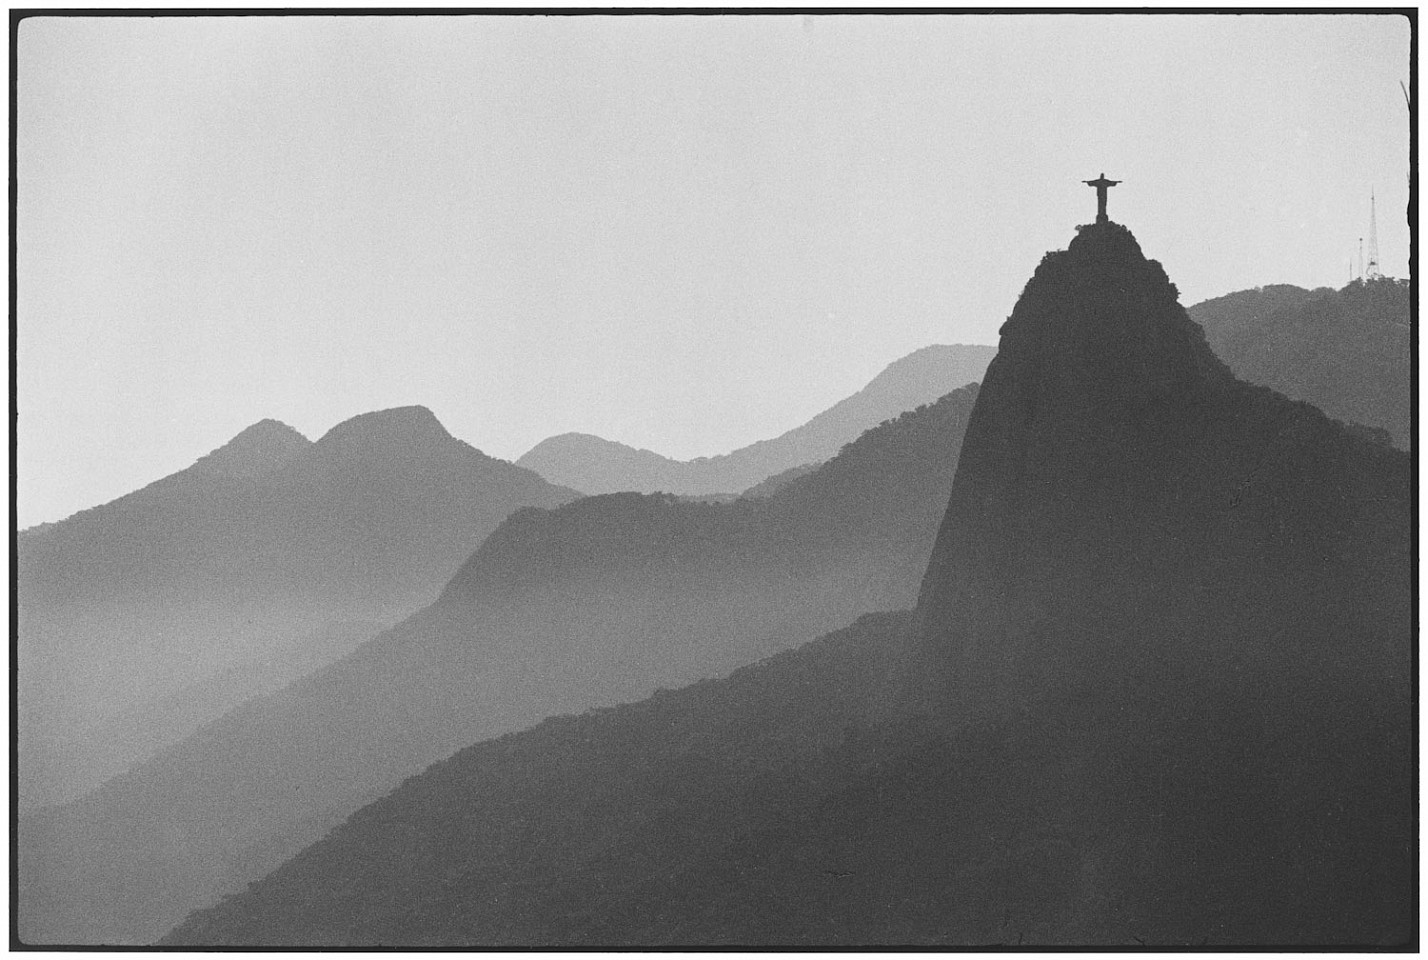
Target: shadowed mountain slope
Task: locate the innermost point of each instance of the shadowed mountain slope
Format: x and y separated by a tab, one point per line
1345	351
594	465
1165	484
239	561
600	601
1156	690
779	480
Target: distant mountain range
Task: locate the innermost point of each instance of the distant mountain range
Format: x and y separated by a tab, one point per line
1157	690
593	465
600	601
233	569
145	618
240	562
385	504
1345	351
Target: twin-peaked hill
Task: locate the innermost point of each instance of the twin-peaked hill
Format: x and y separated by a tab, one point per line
600	601
243	559
1345	351
385	503
595	465
1157	690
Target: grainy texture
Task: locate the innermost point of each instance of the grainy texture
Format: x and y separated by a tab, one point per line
1156	690
598	602
1345	351
239	565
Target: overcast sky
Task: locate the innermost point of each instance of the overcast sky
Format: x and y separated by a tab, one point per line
682	233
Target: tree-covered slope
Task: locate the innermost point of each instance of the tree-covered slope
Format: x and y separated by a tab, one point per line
239	563
597	602
1157	690
1345	351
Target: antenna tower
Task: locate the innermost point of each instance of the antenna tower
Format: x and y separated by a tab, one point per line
1372	271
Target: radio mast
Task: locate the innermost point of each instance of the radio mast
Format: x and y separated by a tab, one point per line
1371	271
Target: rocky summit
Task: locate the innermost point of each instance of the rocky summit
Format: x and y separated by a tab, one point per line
1156	691
1117	479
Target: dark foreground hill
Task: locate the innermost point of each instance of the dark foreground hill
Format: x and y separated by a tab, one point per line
594	465
600	601
1156	690
1345	351
241	562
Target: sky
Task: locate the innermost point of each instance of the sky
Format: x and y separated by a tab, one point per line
682	233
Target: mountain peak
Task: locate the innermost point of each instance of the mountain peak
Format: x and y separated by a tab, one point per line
1112	453
1099	321
270	428
1097	367
595	465
261	448
577	440
397	426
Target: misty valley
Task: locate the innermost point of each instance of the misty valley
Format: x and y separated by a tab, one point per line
1099	636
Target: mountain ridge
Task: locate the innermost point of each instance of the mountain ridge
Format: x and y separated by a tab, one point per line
1156	689
259	449
241	557
590	463
1346	351
599	601
1154	399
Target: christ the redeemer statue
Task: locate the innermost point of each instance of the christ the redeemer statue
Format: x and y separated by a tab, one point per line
1101	185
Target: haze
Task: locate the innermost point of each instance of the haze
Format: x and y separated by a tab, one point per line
681	233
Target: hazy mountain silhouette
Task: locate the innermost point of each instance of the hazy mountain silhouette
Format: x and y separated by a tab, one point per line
262	448
147	726
599	601
1345	351
1156	690
593	465
778	481
237	561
